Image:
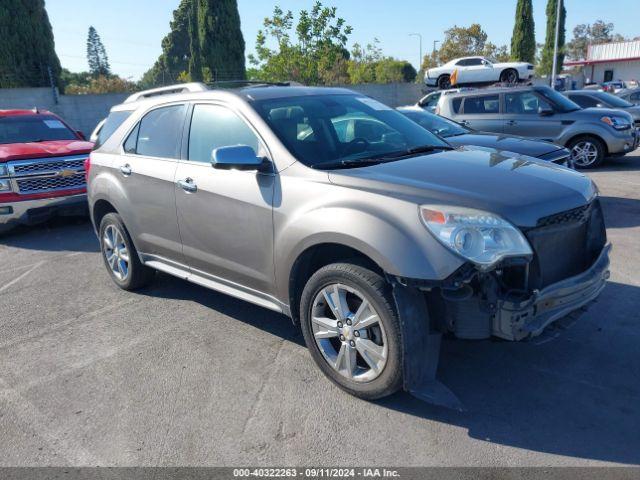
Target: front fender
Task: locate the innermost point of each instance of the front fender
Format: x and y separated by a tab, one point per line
397	243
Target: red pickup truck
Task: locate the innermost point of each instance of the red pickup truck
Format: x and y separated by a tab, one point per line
42	171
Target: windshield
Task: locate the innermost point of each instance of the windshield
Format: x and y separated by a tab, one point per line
329	129
33	128
435	124
614	101
559	101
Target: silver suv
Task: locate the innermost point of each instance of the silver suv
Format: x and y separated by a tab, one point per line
373	234
539	112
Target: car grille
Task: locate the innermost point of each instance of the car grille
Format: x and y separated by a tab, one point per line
44	175
35	185
566	244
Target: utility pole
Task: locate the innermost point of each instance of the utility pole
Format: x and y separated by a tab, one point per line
421	57
554	70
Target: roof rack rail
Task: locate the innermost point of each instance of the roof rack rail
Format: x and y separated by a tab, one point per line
171	89
255	83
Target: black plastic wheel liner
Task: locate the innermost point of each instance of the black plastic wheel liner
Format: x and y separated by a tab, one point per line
421	349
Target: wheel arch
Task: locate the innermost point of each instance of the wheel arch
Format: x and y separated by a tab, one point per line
313	258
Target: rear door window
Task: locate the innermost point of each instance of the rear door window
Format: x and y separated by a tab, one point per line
486	104
584	101
158	134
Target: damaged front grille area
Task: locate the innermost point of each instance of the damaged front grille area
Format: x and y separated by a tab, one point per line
565	244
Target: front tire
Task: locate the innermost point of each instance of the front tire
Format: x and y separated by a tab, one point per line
444	82
509	76
352	330
586	152
120	255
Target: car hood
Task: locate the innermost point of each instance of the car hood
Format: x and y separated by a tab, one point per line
509	143
55	148
634	111
520	190
597	113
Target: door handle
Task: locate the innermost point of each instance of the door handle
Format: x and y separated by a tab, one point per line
511	122
125	170
187	185
464	123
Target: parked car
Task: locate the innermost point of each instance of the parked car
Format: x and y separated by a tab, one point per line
373	241
475	70
591	99
430	101
631	95
41	168
458	135
614	86
592	134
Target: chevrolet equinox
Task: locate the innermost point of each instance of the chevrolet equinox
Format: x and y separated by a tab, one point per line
373	234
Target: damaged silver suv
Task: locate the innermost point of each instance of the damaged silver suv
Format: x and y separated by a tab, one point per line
373	234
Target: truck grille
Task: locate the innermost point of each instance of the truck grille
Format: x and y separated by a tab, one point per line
43	175
35	185
566	244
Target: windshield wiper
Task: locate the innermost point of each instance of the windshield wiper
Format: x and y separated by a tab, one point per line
387	157
354	162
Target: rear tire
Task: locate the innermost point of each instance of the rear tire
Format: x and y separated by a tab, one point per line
355	340
586	152
120	255
444	82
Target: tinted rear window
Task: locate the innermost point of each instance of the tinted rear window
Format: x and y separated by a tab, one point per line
455	104
33	128
158	133
114	120
485	104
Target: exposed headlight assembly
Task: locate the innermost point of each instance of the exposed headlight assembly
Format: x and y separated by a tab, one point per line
619	123
481	237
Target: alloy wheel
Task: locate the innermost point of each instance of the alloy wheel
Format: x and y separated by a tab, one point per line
115	252
349	333
584	153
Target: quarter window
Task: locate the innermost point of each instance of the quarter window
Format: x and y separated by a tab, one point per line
584	101
486	104
214	126
158	133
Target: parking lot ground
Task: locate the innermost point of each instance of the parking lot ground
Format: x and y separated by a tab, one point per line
179	375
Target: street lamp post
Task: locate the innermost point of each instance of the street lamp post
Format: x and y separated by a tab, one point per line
554	70
420	37
435	43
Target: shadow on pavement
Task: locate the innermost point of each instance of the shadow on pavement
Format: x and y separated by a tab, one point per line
74	234
575	395
621	212
627	163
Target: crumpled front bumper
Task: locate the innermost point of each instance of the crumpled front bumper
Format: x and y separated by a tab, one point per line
519	320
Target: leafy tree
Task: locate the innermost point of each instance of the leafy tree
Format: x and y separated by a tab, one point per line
362	66
546	60
205	43
586	34
467	41
101	84
27	48
312	52
390	70
97	55
523	41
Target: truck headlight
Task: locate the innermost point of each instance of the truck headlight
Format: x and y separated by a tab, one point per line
619	123
5	185
481	237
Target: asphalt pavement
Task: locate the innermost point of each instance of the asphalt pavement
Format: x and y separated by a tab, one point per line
180	375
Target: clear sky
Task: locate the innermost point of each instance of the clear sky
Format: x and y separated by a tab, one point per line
132	30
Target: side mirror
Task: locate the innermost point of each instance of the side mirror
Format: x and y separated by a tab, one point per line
239	157
545	111
81	134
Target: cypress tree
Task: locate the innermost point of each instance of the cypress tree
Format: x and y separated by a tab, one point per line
27	49
523	41
97	55
546	60
205	41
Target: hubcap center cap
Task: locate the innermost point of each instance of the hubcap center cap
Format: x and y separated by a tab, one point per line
347	331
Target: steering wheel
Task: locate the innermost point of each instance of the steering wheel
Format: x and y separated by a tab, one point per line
356	145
